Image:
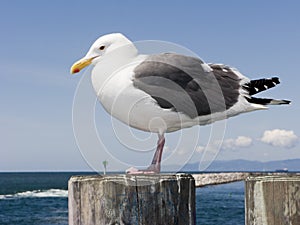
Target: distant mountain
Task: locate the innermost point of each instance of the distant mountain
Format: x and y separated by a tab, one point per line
246	165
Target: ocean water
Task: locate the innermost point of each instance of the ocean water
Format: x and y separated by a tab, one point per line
42	199
221	204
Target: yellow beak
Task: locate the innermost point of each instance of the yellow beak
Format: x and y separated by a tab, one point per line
80	64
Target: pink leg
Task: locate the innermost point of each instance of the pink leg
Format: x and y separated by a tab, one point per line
155	165
156	161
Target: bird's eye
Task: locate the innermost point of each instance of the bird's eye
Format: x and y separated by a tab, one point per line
102	47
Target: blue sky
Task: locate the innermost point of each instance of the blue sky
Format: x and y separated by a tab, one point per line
41	39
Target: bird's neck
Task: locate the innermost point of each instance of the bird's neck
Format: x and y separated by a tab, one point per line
110	64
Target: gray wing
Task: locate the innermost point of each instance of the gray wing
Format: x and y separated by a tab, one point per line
186	84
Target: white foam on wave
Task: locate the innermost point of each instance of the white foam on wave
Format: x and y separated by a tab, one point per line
38	194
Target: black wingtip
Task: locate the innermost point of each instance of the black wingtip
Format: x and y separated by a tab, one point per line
255	86
286	102
279	102
275	80
268	101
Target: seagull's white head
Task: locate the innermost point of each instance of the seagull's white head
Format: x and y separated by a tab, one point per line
103	46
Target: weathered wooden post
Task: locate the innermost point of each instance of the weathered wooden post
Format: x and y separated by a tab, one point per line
132	199
272	200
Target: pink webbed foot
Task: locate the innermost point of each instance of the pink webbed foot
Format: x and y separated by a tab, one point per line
135	171
154	168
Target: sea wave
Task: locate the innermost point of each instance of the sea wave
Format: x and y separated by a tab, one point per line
38	194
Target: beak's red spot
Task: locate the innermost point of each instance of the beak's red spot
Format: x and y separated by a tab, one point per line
76	70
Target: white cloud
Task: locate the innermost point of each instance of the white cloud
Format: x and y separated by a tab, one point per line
239	142
167	149
280	138
181	151
243	141
228	143
200	149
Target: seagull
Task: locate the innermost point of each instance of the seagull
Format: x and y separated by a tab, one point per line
166	92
